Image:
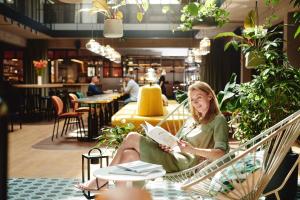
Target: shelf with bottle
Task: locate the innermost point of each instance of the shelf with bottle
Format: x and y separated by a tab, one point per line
13	70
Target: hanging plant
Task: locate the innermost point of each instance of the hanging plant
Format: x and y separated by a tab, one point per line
207	13
111	11
255	42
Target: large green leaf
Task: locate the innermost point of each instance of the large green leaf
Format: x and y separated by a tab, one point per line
139	16
232	43
193	9
227	34
250	20
297	32
101	5
145	5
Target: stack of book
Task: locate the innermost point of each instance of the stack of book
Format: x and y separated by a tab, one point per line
137	168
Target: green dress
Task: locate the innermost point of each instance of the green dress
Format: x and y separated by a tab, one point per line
213	135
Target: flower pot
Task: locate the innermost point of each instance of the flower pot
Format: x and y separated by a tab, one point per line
253	60
39	80
113	28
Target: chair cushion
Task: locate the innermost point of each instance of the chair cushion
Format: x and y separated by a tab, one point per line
70	114
243	172
83	109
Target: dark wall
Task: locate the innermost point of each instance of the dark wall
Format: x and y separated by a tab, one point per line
36	49
218	65
293	44
3	150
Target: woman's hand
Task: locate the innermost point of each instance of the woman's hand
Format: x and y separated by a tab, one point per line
165	148
185	146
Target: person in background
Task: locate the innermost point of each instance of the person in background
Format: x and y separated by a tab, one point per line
93	88
203	136
130	87
161	75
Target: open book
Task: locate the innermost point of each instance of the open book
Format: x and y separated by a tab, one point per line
160	135
137	168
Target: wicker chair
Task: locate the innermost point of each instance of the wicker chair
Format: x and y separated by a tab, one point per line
245	172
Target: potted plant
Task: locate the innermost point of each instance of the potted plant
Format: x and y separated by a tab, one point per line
113	25
207	14
113	137
254	41
40	66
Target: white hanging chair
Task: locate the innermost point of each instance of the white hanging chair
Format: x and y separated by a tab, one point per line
245	172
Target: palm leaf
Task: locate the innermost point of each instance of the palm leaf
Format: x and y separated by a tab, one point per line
100	5
227	34
250	19
297	32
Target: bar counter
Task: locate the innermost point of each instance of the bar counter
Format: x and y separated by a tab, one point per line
48	85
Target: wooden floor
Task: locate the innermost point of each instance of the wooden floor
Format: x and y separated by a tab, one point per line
25	161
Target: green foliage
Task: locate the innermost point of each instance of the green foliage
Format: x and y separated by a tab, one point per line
111	10
296	3
229	99
270	97
271	2
257	40
180	96
250	19
208	11
272	94
113	137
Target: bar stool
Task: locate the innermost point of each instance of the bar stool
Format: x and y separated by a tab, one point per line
59	107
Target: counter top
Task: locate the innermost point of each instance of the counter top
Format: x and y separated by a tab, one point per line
75	84
48	85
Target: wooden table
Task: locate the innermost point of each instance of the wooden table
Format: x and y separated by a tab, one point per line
106	104
128	114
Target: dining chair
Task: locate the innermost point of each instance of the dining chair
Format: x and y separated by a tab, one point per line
67	116
75	106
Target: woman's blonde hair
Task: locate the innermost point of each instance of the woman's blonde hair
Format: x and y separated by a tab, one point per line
213	107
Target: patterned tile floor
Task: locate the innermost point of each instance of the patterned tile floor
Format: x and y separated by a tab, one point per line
63	189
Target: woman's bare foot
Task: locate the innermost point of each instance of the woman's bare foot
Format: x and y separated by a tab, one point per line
92	185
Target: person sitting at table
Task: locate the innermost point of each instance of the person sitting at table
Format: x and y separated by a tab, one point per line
203	136
131	88
93	88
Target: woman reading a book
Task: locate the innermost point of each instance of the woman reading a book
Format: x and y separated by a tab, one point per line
204	136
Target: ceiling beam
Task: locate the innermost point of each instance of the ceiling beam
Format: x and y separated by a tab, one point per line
127	43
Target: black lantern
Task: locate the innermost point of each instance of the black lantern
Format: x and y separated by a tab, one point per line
93	156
